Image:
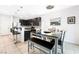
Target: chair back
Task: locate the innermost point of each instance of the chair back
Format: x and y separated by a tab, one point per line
62	36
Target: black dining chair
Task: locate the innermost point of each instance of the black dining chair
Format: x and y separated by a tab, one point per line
60	40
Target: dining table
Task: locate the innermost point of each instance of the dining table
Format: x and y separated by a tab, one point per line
55	36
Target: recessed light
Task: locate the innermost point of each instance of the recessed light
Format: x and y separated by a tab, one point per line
18	10
21	7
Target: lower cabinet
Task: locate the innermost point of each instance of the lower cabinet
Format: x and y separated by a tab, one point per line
26	35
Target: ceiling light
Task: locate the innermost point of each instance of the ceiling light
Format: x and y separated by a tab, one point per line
21	7
18	10
50	7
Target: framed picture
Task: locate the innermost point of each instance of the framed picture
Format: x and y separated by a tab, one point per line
71	20
55	21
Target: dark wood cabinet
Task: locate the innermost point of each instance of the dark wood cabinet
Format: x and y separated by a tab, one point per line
26	35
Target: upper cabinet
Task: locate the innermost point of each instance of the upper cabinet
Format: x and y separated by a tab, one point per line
30	22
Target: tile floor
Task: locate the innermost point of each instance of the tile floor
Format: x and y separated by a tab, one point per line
7	46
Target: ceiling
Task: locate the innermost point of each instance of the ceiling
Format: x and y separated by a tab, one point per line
27	11
32	8
39	2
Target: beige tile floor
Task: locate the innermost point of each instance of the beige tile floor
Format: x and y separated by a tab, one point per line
7	46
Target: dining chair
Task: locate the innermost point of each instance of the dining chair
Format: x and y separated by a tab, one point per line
60	40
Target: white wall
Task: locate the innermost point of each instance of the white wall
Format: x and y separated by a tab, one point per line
16	21
45	23
72	30
5	24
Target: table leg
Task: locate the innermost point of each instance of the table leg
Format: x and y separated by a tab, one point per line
56	43
28	46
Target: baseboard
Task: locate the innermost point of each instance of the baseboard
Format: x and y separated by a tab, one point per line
71	43
5	34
